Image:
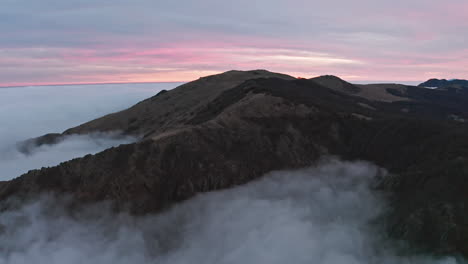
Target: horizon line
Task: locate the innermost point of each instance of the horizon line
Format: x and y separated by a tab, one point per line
148	82
76	84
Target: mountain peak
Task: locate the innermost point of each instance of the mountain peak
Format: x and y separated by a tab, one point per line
159	108
328	76
250	74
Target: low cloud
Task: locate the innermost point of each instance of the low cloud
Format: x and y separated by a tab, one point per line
318	215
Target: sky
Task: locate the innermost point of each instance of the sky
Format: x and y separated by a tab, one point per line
97	41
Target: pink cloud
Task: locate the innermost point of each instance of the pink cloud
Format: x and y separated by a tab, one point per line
188	60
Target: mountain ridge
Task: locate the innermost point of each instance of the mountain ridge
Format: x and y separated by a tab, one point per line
444	83
228	121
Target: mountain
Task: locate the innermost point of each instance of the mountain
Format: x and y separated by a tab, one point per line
209	134
443	83
375	92
384	92
164	111
173	109
336	83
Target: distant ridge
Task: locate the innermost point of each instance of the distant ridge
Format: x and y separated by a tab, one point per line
443	83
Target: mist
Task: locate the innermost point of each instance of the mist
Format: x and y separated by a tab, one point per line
14	162
322	215
28	112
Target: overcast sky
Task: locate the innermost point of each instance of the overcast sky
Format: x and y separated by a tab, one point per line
83	41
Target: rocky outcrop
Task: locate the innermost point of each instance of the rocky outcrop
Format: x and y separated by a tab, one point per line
228	129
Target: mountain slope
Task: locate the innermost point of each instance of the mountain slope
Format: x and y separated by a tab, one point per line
251	126
383	92
336	83
375	92
162	112
171	109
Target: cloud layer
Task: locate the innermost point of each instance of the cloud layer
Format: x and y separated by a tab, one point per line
34	111
319	215
142	40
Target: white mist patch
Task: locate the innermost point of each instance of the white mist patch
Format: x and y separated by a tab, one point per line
29	112
320	215
13	162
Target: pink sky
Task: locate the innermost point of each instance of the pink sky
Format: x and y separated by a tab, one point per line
54	42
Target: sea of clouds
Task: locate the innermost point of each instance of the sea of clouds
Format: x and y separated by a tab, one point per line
320	215
28	112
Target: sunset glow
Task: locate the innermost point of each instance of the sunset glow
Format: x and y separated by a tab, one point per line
359	41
